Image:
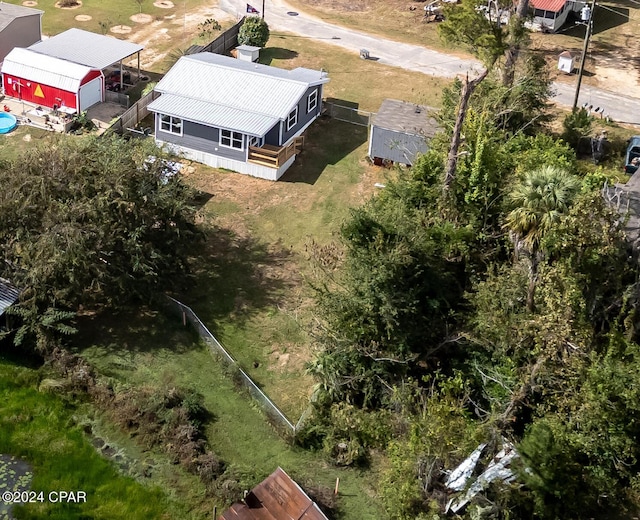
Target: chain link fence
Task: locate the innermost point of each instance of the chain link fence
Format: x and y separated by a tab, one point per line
348	114
274	414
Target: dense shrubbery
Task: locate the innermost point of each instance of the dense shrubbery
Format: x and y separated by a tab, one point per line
507	303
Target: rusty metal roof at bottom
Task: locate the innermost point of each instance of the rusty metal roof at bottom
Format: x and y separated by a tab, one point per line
8	295
278	497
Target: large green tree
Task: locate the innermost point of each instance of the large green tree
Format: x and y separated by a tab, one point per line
90	221
540	200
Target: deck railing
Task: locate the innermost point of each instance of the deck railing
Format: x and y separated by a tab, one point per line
275	156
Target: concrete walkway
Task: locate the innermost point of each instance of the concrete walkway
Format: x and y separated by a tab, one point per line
420	59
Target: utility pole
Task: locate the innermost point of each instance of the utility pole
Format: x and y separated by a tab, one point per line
263	9
589	24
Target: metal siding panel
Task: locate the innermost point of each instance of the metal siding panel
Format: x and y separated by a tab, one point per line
21	32
396	146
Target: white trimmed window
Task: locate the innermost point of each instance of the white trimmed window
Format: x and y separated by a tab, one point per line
256	141
312	101
171	125
292	120
231	139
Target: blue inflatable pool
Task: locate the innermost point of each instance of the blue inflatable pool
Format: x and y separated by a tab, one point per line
7	122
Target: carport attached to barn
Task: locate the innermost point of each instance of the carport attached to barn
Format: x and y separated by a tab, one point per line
92	50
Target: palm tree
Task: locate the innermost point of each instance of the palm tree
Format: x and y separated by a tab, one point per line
539	200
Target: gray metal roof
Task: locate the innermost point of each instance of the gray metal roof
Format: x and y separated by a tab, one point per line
40	68
210	114
9	12
8	295
247	97
409	118
86	48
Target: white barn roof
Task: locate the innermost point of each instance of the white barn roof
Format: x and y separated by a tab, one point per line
86	48
233	94
32	66
9	12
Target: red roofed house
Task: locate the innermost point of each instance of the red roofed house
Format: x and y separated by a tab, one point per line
550	15
277	497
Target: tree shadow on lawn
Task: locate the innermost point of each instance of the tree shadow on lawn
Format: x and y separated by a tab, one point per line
327	142
133	330
268	54
236	277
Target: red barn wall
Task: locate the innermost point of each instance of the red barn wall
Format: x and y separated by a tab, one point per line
50	95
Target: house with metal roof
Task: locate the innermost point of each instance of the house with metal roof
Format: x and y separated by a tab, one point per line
19	27
400	131
234	114
550	15
278	497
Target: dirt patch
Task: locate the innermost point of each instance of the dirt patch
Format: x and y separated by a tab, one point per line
164	4
76	5
141	18
83	18
120	29
30	3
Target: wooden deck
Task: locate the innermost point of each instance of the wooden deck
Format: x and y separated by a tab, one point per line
275	156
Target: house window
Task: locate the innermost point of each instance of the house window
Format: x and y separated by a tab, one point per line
292	120
256	141
231	139
171	125
312	101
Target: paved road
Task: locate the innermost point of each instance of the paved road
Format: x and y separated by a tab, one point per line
414	57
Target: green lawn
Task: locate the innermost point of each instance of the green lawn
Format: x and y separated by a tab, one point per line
40	429
154	350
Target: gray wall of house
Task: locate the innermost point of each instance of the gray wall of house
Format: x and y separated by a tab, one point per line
273	136
21	32
303	116
200	137
396	146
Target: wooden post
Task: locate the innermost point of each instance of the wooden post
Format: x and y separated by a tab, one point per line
184	318
215	512
335	492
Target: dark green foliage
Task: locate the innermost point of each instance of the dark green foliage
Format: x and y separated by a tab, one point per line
90	221
254	31
402	279
576	126
208	27
465	24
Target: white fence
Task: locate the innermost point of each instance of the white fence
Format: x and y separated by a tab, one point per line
275	415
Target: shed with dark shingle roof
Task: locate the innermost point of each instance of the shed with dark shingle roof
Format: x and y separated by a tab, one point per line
400	131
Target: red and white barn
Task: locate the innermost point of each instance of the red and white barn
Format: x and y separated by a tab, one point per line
65	70
51	82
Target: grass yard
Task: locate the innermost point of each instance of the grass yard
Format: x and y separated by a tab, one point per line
21	139
152	350
40	429
360	82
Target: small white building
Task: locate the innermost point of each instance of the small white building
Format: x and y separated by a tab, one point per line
566	62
